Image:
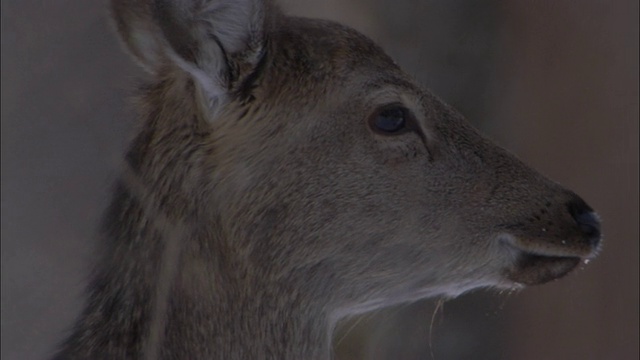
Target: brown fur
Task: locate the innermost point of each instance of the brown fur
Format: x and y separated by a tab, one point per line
258	207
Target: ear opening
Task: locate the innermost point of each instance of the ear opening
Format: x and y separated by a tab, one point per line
217	42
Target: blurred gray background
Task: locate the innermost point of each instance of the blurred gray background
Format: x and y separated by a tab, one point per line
556	82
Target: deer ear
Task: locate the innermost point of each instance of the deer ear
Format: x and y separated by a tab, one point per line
215	41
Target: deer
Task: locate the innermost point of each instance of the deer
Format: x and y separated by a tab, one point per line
287	174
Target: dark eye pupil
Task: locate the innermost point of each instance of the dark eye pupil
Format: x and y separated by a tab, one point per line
390	120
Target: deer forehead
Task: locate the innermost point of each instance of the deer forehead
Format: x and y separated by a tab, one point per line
315	60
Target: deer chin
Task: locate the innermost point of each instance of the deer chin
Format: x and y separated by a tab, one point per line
534	265
534	269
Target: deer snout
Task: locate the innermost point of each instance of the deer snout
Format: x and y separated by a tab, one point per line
546	253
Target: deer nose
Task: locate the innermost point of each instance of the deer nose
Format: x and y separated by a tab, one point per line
587	220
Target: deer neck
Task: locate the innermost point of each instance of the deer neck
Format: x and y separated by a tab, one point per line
173	289
245	321
234	313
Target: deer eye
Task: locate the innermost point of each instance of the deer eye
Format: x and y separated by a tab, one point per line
390	120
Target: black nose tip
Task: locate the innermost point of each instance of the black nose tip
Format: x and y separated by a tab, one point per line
586	219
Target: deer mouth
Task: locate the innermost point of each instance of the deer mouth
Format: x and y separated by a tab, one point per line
533	269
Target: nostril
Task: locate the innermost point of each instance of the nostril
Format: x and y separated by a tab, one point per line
589	225
586	219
